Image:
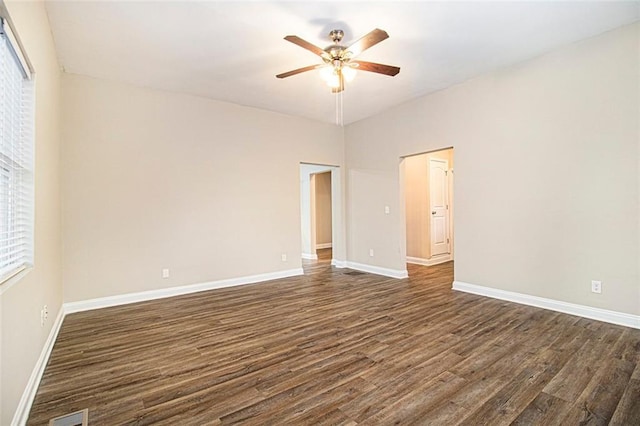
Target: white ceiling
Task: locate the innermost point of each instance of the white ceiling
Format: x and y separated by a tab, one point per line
232	50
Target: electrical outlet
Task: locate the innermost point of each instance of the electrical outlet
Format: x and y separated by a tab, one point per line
596	287
284	257
44	314
371	252
165	273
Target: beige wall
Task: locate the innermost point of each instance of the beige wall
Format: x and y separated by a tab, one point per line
546	177
323	208
22	336
155	180
417	205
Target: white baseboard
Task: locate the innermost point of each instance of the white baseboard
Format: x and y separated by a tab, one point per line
436	260
308	256
123	299
378	270
339	263
21	414
324	246
613	317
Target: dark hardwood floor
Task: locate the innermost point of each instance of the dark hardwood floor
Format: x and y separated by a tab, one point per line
341	347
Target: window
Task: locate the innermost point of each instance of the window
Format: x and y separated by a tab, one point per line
16	159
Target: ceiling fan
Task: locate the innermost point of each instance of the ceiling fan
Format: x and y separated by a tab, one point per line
339	62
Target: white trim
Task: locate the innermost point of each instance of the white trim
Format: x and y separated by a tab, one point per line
23	57
123	299
323	246
339	263
10	281
378	270
436	260
21	414
308	256
614	317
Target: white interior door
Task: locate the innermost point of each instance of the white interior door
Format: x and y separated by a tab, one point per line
439	206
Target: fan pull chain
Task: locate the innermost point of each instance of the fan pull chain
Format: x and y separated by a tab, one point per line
342	109
339	109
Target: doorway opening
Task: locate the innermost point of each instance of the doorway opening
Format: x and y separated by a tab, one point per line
428	190
320	207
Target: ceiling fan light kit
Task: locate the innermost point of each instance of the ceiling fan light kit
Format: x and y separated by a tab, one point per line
338	61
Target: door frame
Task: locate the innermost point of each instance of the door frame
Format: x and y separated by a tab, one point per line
338	240
403	212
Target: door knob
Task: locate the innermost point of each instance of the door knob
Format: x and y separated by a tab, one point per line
433	212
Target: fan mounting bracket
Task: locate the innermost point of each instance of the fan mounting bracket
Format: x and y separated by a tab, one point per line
336	36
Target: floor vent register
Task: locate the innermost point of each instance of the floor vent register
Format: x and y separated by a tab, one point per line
78	418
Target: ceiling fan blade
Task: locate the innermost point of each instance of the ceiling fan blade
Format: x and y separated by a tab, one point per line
299	70
305	44
371	39
379	68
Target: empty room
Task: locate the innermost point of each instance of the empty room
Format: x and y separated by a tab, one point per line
270	212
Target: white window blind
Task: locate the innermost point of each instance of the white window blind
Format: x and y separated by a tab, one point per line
16	161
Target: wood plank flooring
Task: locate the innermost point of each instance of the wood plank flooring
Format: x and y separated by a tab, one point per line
337	347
